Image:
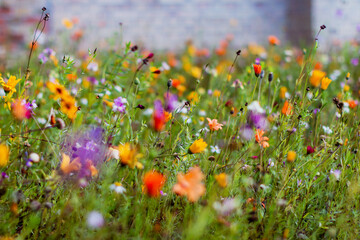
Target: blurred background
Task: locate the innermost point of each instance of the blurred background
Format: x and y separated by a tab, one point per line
167	24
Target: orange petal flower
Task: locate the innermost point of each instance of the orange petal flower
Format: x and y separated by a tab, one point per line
198	146
153	182
257	69
273	40
214	125
190	184
260	139
67	167
287	108
316	77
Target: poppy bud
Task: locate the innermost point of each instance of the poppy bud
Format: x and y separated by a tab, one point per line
271	76
322	27
151	55
140	106
257	69
43	9
169	83
134	48
156	71
136	81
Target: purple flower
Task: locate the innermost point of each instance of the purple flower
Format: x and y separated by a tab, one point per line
257	61
246	132
93	80
4	175
354	61
89	146
299	182
119	105
316	110
45	54
171	102
258	120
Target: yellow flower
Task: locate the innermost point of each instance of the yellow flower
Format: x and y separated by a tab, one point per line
168	116
68	107
216	93
68	167
9	86
316	77
222	179
129	156
198	146
4	155
196	72
291	156
325	83
346	88
67	23
193	97
58	89
283	91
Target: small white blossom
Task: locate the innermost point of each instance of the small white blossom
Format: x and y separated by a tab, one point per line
215	149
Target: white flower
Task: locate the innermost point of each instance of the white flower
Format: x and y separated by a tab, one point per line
309	95
335	75
95	220
202	113
327	130
164	66
84	101
117	187
93	66
148	111
255	107
338	115
215	149
118	88
336	173
226	207
41	120
34	157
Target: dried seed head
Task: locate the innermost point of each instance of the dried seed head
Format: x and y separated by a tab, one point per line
322	27
43	9
134	48
238	52
60	124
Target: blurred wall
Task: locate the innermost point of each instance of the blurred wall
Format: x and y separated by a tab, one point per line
167	24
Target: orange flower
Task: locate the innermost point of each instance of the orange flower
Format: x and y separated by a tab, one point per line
260	139
273	40
316	77
352	104
287	108
67	167
257	69
222	179
325	83
190	184
153	182
214	125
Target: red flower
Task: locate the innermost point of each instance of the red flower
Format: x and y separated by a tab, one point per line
310	149
257	69
153	182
